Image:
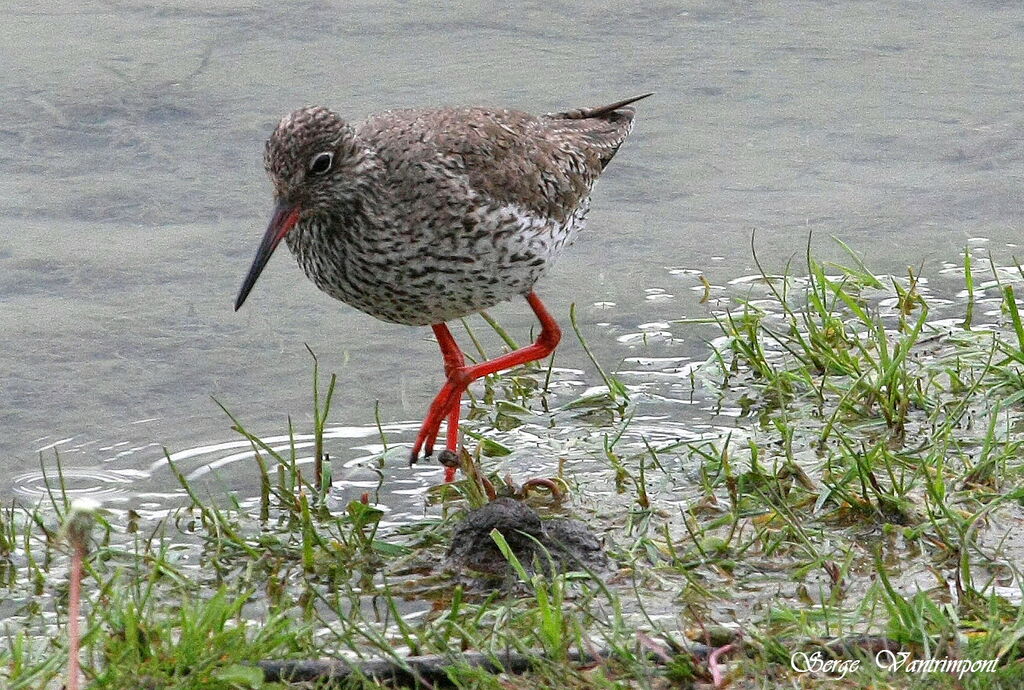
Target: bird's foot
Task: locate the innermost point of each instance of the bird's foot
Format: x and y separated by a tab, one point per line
445	406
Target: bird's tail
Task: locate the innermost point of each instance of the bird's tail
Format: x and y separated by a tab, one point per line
601	129
587	113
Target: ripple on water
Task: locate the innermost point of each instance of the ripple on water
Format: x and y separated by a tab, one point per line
136	473
102	485
205	459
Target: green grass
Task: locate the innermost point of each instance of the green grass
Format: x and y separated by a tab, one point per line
861	486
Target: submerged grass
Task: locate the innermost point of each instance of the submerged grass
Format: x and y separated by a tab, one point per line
857	501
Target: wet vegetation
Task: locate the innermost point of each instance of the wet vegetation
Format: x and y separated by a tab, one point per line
858	498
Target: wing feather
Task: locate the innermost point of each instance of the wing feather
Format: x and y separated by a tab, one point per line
544	165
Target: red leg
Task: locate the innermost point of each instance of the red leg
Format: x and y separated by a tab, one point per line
460	377
453	361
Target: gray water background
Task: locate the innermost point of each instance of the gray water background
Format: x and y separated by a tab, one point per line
133	196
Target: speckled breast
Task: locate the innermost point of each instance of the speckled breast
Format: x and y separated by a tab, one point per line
436	271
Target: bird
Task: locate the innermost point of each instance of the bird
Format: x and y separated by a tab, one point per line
421	216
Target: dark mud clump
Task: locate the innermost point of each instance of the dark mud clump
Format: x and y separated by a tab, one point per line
545	546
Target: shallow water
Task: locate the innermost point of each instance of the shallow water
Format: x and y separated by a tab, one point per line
134	197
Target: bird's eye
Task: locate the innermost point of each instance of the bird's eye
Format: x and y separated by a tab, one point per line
321	163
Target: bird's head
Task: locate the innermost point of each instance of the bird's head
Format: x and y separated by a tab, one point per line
311	158
310	155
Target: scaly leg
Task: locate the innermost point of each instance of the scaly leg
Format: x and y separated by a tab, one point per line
461	376
453	360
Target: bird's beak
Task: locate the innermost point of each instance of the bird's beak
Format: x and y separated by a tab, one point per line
285	217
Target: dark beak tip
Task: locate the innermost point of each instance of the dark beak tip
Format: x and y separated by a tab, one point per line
285	217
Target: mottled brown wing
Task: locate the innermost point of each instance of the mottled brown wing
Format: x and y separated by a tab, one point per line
544	165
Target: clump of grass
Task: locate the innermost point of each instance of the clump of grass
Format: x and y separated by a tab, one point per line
855	497
878	443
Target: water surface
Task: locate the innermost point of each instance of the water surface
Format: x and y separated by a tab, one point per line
130	148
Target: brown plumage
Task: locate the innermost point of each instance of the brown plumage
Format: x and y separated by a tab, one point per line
545	164
422	216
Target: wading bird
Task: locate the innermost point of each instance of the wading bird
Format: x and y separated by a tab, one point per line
423	216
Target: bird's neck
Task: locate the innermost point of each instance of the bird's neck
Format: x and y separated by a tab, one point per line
358	205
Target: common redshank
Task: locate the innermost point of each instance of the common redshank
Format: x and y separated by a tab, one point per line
423	216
